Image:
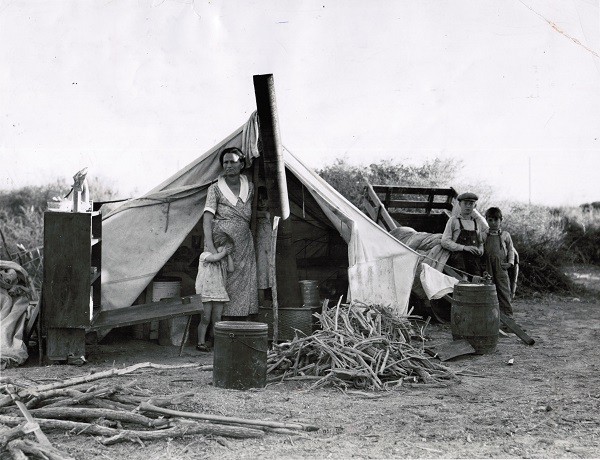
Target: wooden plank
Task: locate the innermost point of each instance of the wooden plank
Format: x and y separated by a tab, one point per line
417	204
430	223
386	219
143	313
67	254
376	210
62	342
448	350
371	211
430	203
372	203
397	189
388	197
513	326
32	320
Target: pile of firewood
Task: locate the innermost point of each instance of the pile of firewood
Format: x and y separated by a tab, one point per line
365	346
114	412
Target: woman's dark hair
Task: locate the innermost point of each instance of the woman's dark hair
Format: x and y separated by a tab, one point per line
235	151
494	213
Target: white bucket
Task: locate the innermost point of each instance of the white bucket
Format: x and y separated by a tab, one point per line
168	331
165	289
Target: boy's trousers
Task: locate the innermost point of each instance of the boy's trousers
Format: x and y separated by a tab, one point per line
494	256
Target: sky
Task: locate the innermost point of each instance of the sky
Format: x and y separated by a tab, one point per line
136	90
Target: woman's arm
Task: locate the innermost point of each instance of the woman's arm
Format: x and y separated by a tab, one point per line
207	226
230	266
215	256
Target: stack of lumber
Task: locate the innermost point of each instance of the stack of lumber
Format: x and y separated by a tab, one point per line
114	413
365	346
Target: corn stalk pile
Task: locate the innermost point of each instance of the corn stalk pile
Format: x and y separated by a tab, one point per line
365	346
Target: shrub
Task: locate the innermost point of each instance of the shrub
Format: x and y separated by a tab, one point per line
350	180
539	238
582	229
22	221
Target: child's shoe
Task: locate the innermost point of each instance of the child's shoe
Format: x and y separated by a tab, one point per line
202	347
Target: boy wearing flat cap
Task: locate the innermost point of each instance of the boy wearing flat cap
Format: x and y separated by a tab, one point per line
463	237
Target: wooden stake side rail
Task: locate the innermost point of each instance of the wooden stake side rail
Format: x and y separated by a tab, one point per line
375	209
143	313
417	205
391	206
400	190
404	197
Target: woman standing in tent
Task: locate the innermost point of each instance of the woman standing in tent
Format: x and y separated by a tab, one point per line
228	209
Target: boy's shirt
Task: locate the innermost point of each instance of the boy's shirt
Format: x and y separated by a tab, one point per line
452	230
507	244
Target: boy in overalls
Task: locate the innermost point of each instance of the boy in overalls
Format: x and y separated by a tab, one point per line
463	238
499	258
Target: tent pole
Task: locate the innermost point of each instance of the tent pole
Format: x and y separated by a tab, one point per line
276	184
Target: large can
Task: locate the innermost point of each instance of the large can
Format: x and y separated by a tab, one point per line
240	355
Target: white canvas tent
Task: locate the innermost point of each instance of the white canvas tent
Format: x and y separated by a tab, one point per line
142	234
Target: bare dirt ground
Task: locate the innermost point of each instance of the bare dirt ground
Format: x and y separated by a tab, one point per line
545	405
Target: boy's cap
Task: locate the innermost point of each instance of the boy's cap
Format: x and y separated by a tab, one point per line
467	196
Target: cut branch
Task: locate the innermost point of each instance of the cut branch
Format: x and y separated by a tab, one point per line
25	393
227	420
85	413
180	429
38	450
13	433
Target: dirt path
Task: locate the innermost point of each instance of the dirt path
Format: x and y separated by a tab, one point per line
545	405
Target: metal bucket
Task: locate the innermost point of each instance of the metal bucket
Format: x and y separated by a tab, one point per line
475	316
240	355
290	320
309	290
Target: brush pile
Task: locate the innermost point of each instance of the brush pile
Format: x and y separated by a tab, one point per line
365	346
112	413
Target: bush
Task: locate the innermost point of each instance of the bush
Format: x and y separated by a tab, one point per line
350	180
22	221
582	233
545	238
539	238
15	202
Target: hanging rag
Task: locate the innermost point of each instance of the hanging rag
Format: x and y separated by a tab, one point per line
435	284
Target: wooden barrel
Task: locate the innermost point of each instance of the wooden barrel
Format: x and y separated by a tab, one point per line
240	355
475	316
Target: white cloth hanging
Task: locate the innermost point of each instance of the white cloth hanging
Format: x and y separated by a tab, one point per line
435	284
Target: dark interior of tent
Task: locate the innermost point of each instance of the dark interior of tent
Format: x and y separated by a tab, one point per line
321	253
